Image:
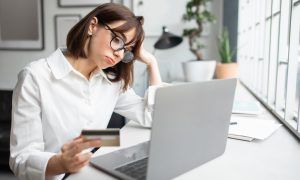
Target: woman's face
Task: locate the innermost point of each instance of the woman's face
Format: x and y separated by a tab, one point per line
98	47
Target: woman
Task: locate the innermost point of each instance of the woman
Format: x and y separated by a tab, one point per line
79	88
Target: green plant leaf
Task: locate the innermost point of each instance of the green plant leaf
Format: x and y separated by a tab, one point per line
202	15
227	46
233	52
190	4
187	32
224	46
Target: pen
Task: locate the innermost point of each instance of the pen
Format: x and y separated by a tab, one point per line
233	123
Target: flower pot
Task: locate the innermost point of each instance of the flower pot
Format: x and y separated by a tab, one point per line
195	71
230	70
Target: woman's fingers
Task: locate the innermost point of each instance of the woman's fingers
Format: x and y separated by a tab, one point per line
72	156
82	146
140	50
77	167
70	145
81	158
75	142
142	46
79	137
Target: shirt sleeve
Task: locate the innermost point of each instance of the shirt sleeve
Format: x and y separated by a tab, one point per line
27	157
137	108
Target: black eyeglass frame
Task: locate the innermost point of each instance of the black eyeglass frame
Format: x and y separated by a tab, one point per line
119	49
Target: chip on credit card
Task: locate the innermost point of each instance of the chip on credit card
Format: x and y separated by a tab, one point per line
108	137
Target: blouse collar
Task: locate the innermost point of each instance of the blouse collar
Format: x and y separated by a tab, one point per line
60	66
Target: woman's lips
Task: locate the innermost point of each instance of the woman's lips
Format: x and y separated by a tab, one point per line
112	62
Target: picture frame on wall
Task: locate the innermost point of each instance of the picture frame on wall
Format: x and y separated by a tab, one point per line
81	3
21	25
63	24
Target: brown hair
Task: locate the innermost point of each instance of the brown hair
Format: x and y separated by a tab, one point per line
109	13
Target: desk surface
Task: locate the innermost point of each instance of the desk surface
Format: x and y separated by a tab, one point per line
277	157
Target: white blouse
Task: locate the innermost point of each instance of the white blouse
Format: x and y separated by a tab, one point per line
52	103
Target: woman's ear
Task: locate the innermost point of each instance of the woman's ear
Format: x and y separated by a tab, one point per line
92	26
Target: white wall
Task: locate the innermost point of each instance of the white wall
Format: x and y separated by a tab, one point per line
11	62
170	60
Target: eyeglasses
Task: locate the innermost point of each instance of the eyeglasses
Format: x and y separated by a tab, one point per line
117	44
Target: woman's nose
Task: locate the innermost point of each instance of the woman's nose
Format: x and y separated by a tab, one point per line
119	53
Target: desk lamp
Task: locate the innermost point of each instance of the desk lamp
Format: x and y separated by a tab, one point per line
166	41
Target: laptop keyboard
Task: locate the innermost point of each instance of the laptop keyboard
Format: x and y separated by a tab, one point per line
136	169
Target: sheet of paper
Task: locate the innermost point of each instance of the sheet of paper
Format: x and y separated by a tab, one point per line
253	127
240	119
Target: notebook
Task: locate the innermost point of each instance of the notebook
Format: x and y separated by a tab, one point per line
246	108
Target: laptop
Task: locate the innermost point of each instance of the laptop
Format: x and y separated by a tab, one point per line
190	127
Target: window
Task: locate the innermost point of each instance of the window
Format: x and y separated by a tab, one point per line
269	55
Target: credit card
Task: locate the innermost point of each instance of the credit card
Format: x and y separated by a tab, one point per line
108	137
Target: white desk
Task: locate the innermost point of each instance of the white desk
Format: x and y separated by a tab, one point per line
277	157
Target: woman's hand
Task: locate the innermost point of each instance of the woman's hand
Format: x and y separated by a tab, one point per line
71	160
71	157
145	57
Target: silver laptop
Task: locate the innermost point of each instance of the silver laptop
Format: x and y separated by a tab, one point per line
190	128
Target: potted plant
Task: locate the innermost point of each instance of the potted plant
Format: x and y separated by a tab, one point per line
197	70
226	69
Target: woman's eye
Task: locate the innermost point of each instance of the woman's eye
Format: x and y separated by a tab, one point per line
116	40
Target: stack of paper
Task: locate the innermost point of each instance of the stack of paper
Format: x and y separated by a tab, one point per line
251	128
246	108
